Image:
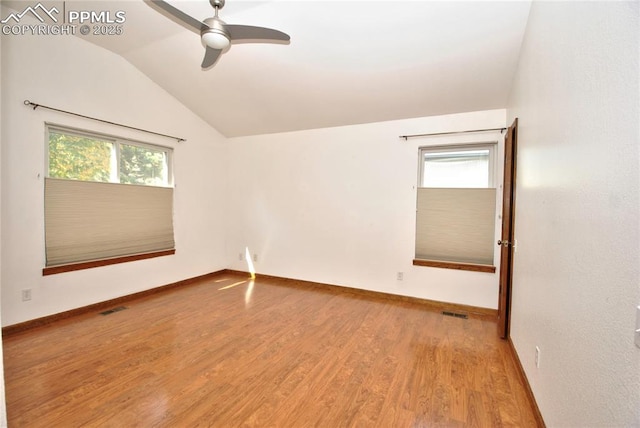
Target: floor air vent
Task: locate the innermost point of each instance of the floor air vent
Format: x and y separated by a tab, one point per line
110	311
454	314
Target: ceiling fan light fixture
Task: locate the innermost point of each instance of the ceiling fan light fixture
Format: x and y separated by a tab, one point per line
215	39
214	34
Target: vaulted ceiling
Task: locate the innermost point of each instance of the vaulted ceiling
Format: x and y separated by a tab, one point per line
348	62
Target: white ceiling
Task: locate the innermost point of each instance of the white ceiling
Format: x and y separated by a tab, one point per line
348	62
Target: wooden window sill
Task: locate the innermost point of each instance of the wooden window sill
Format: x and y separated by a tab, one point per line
52	270
455	265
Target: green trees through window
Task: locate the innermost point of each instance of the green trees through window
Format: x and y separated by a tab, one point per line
79	158
141	165
87	157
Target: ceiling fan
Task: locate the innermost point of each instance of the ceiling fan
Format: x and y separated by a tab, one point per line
217	35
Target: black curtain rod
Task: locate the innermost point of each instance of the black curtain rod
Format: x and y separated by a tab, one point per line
35	106
406	137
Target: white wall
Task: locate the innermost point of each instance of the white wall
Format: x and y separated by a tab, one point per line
71	74
337	205
3	404
577	281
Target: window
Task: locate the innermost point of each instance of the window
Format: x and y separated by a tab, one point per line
456	198
105	198
457	166
143	165
77	155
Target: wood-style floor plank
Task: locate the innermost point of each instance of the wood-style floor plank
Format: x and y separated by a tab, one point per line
229	351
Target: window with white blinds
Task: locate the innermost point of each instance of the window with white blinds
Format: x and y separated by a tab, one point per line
105	198
456	202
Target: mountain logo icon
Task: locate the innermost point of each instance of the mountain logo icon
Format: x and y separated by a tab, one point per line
37	11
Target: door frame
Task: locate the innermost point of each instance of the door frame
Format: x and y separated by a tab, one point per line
506	241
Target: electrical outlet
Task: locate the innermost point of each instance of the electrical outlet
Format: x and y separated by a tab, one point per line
537	357
400	276
26	294
255	258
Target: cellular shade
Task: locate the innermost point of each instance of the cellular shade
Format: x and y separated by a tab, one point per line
92	221
456	225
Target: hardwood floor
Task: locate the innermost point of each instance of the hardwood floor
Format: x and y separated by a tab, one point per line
232	352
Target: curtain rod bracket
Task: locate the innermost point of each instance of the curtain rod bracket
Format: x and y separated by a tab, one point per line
35	106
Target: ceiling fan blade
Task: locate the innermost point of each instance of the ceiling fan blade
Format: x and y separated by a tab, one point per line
244	32
210	57
192	23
